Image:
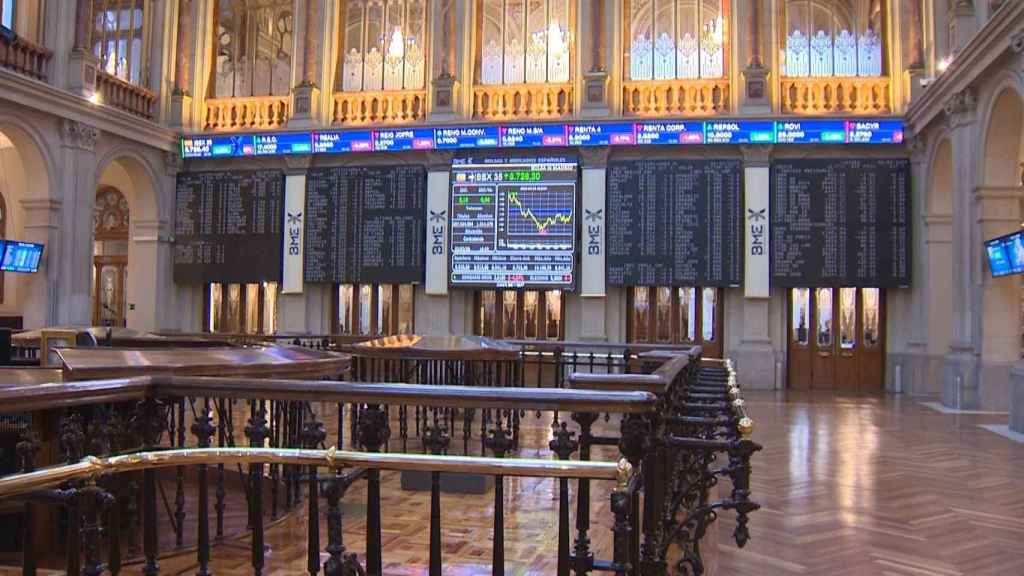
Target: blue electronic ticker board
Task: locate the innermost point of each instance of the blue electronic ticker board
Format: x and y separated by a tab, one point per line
660	132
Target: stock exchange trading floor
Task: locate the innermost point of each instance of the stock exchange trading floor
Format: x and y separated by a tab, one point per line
864	485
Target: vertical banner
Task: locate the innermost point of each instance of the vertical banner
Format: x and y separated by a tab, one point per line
437	233
593	233
757	263
294	232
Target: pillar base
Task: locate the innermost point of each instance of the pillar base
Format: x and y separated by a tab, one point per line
305	106
82	67
1017	397
444	91
595	94
181	111
755	365
756	91
960	379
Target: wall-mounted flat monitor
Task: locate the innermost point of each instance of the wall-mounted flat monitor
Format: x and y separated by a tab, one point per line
20	256
1006	254
513	222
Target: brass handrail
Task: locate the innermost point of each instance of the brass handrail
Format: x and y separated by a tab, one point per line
91	466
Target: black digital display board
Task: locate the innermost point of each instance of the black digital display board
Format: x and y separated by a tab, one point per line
840	223
513	222
365	224
675	223
228	226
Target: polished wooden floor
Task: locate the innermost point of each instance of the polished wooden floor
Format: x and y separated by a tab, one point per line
876	485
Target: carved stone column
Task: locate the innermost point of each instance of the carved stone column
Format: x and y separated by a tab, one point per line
755	75
593	285
960	372
77	190
41	217
595	80
755	357
82	64
306	96
181	97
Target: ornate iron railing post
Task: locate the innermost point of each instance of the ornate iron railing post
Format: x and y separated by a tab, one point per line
149	422
563	444
313	435
203	429
257	431
373	434
583	557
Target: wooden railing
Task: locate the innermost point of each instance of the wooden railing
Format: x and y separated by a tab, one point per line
125	96
522	101
692	97
830	95
24	57
385	107
675	421
252	113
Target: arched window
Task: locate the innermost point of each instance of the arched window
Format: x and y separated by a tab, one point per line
670	39
7	14
384	45
121	38
252	48
111	216
525	41
832	38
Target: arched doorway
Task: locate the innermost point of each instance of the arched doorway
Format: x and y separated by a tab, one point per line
26	213
133	259
110	257
998	201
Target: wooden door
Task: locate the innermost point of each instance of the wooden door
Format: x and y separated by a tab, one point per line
823	340
836	339
848	344
871	324
801	317
108	306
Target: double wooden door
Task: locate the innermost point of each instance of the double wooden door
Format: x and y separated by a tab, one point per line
836	339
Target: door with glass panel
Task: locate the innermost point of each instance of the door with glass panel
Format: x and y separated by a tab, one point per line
835	338
676	315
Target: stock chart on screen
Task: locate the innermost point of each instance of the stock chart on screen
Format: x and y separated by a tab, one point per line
513	222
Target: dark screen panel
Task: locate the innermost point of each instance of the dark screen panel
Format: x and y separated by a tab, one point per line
228	226
365	224
841	223
675	223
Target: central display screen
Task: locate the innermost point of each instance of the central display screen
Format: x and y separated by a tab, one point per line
513	222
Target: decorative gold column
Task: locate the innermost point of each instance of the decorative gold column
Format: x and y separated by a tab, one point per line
82	64
305	96
83	25
445	85
183	62
755	75
181	96
916	48
595	80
